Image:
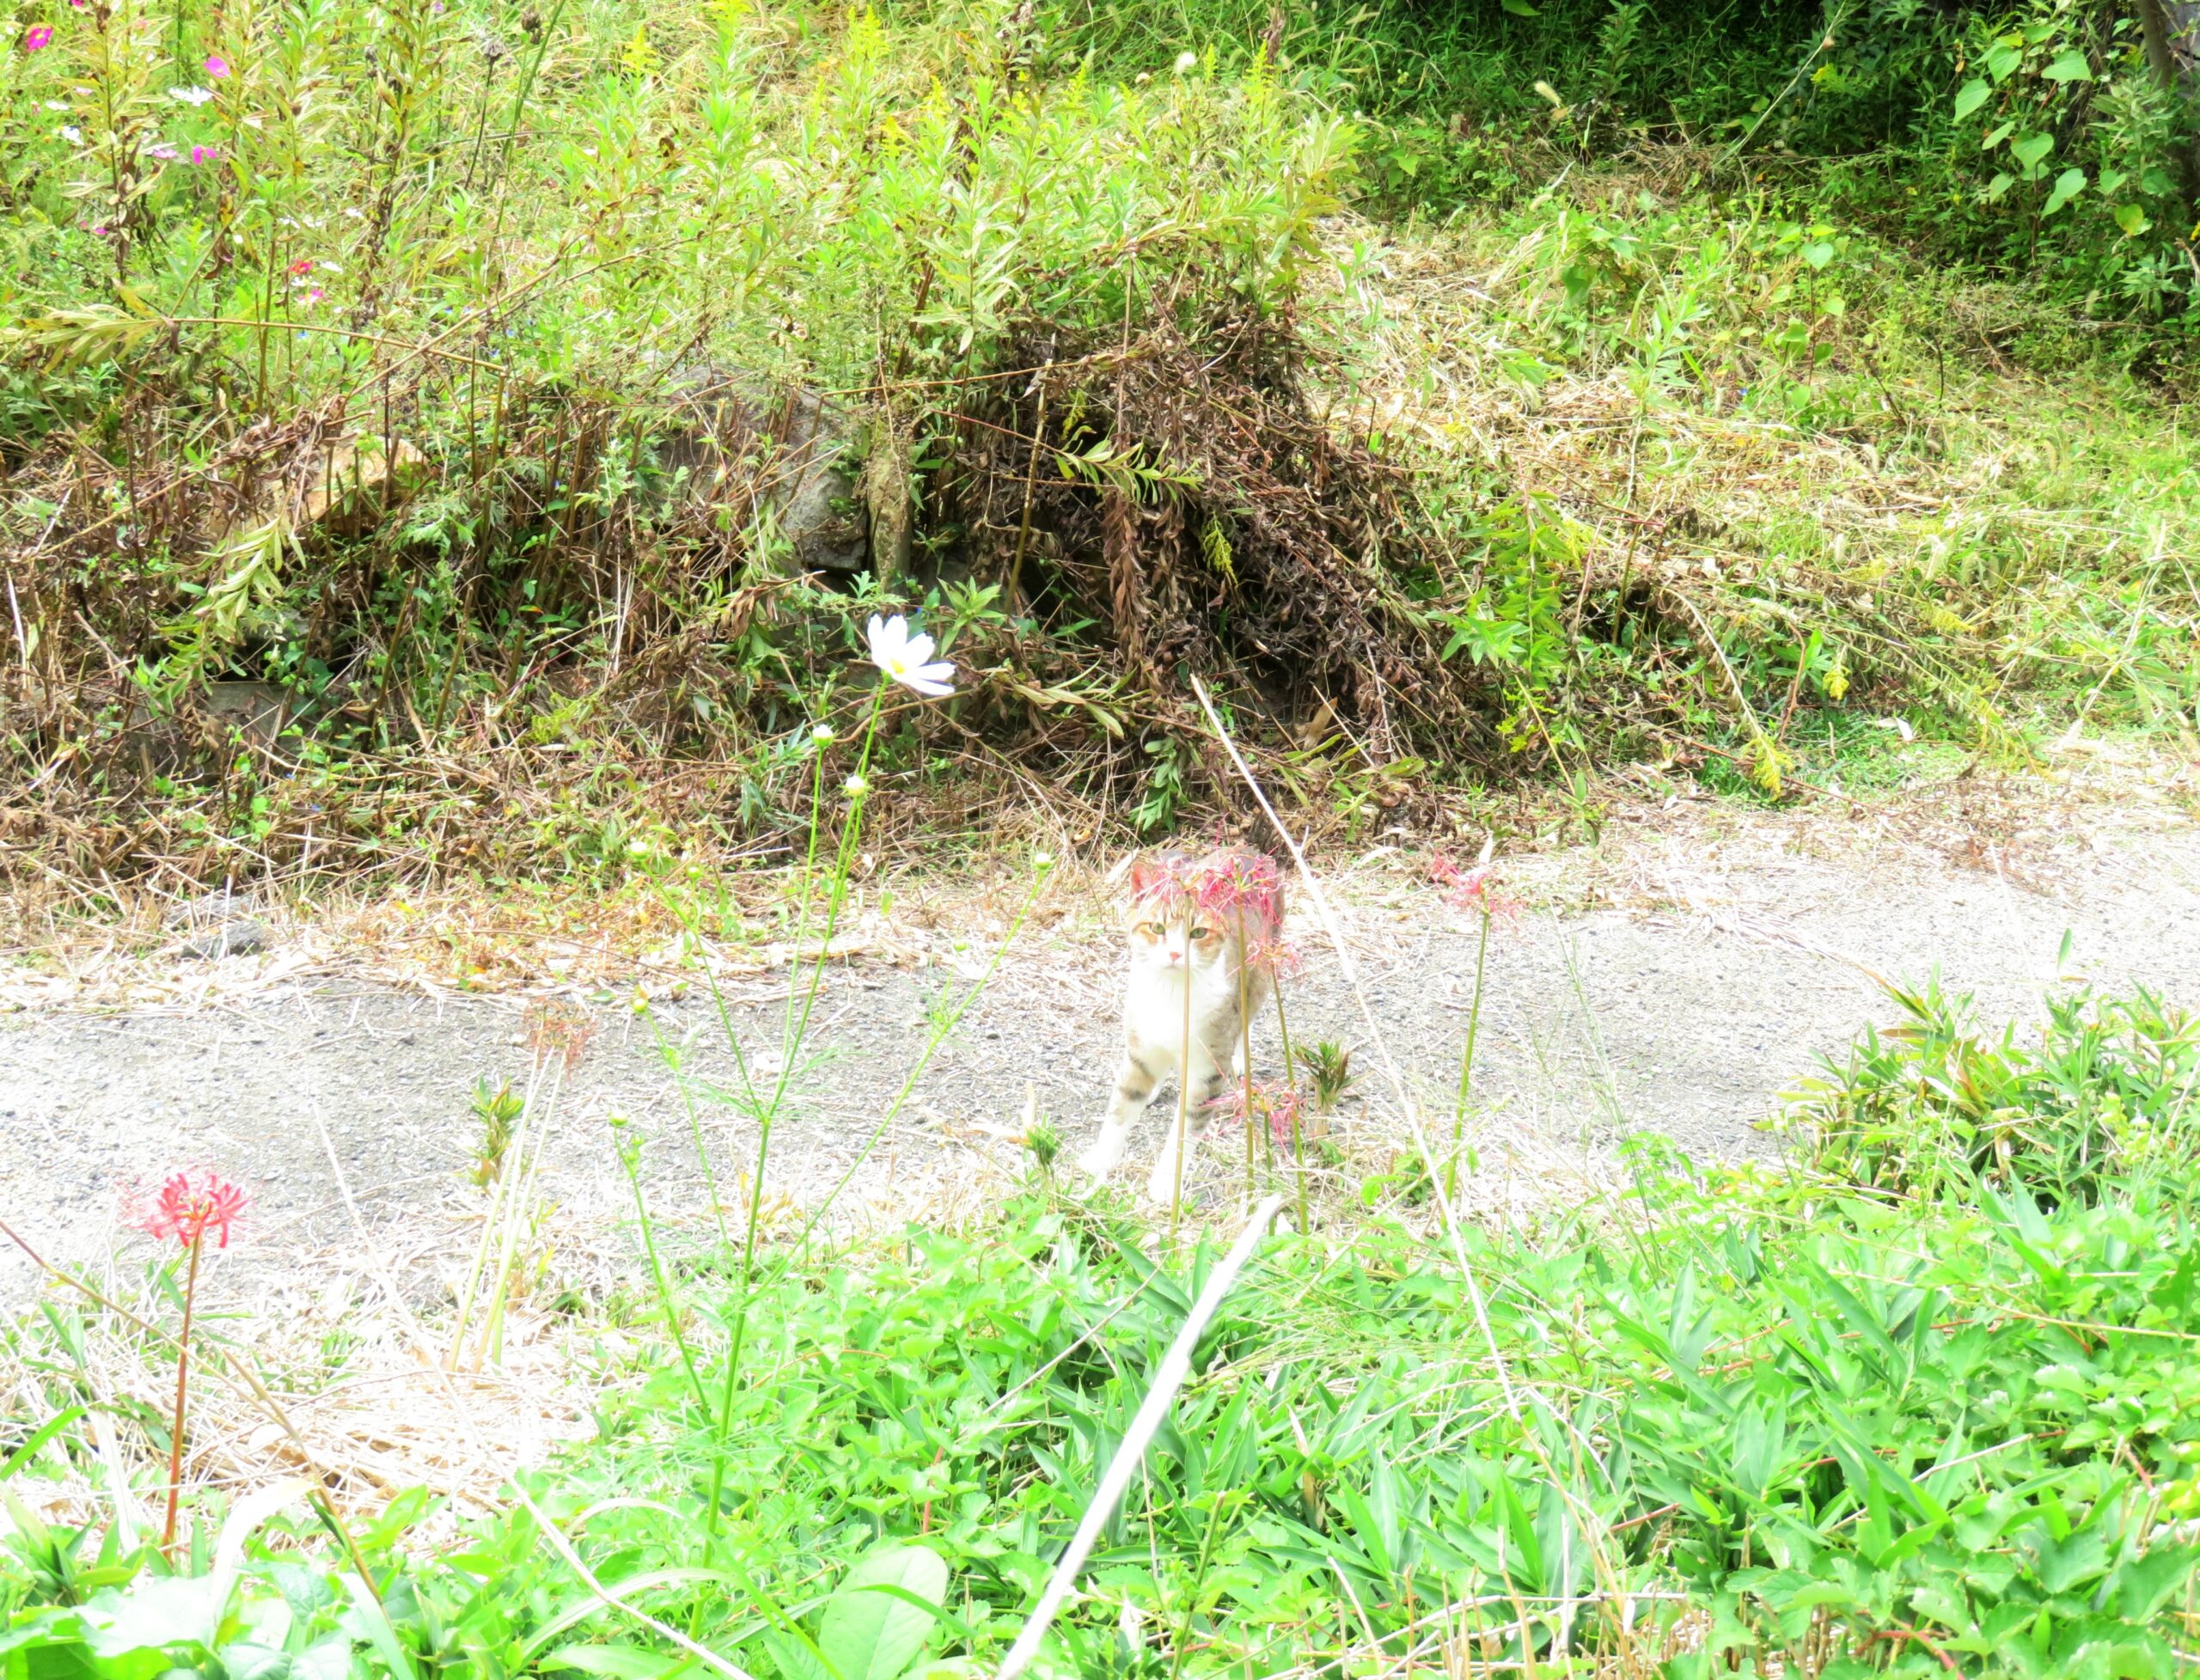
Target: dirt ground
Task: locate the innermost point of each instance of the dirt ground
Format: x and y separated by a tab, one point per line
1676	975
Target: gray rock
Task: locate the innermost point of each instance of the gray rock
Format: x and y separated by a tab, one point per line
223	904
236	939
811	460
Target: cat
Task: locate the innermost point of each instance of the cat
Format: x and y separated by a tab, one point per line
1196	924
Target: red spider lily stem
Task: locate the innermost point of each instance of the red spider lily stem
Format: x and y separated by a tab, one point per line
1467	1060
1246	1057
187	1212
182	1382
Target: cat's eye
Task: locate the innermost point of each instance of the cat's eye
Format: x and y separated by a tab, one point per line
1203	933
1148	931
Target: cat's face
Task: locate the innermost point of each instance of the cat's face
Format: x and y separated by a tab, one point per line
1163	941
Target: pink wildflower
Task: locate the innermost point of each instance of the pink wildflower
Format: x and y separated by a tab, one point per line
185	1211
302	265
218	67
1470	888
204	155
1245	887
165	152
1164	884
1278	1105
42	36
1277	958
314	296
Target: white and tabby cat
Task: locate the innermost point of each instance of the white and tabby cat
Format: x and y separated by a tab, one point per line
1191	927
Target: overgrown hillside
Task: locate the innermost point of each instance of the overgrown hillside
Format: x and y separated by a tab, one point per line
447	434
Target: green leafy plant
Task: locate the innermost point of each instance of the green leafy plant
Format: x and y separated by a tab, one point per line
496	1109
1932	1103
1329	1066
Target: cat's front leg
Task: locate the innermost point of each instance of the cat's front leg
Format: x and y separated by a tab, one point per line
1134	1084
1204	1081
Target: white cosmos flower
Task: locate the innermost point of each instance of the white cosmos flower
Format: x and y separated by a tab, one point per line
904	657
192	95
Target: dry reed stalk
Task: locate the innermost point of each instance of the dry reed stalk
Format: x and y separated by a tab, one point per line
1168	1376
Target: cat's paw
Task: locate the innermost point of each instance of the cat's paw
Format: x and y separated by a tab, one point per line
1098	1161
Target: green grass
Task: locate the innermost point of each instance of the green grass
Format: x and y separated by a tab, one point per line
1852	1418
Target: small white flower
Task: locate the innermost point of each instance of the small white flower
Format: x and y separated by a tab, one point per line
904	657
192	95
74	136
822	735
327	268
1186	62
855	786
57	105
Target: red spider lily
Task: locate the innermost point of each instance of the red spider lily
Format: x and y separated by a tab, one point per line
187	1211
1245	887
1471	889
1277	958
1276	1105
1165	883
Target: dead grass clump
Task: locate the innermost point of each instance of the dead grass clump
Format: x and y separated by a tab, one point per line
1182	492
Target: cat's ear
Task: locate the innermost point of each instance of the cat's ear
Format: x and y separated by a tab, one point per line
1143	877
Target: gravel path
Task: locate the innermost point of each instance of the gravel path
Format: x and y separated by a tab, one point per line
1685	969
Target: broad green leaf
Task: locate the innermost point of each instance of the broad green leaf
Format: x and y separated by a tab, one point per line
324	1659
2032	150
2145	1583
2068	185
245	1660
2000	58
2132	219
870	1630
152	1611
1520	7
2070	66
1972	94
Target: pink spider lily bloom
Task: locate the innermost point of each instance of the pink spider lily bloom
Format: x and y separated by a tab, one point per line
1471	889
1165	883
1245	887
1277	1106
186	1210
